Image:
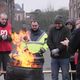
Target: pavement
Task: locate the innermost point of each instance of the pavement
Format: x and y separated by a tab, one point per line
1	77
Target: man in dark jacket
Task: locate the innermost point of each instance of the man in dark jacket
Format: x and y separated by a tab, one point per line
59	55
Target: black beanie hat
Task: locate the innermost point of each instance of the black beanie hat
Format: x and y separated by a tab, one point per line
59	19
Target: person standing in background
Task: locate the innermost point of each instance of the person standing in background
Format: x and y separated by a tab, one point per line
5	40
70	24
74	46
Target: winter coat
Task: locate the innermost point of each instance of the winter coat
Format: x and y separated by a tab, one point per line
55	36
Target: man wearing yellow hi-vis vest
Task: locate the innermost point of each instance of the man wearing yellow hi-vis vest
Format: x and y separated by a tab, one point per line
38	46
27	60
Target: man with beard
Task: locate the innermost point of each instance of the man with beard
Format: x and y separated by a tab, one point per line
5	40
38	38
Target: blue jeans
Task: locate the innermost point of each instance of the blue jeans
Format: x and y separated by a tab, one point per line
56	64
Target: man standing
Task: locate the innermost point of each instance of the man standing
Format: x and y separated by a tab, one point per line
59	55
5	40
38	46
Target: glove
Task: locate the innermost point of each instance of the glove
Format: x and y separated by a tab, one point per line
42	50
9	38
71	58
55	52
4	37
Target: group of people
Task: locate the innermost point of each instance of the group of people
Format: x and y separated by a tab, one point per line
63	42
21	54
25	60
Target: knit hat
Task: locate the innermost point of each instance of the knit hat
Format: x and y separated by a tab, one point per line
70	21
59	19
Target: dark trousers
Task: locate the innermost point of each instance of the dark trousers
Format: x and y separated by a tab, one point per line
4	59
73	67
78	72
18	73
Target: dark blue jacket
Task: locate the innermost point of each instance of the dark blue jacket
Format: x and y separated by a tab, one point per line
35	34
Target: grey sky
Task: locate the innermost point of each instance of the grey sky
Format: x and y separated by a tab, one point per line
31	5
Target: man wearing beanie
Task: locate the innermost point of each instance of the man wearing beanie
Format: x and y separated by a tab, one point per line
59	55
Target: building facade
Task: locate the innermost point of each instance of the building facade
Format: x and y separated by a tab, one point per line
19	12
74	9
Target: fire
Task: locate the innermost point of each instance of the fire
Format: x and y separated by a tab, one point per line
15	38
22	57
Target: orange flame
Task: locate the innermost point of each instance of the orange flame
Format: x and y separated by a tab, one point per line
23	57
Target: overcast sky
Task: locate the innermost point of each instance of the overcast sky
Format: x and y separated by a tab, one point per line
31	5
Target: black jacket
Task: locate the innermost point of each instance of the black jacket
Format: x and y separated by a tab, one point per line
55	36
74	43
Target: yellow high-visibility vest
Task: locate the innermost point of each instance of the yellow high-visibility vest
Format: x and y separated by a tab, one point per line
35	46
